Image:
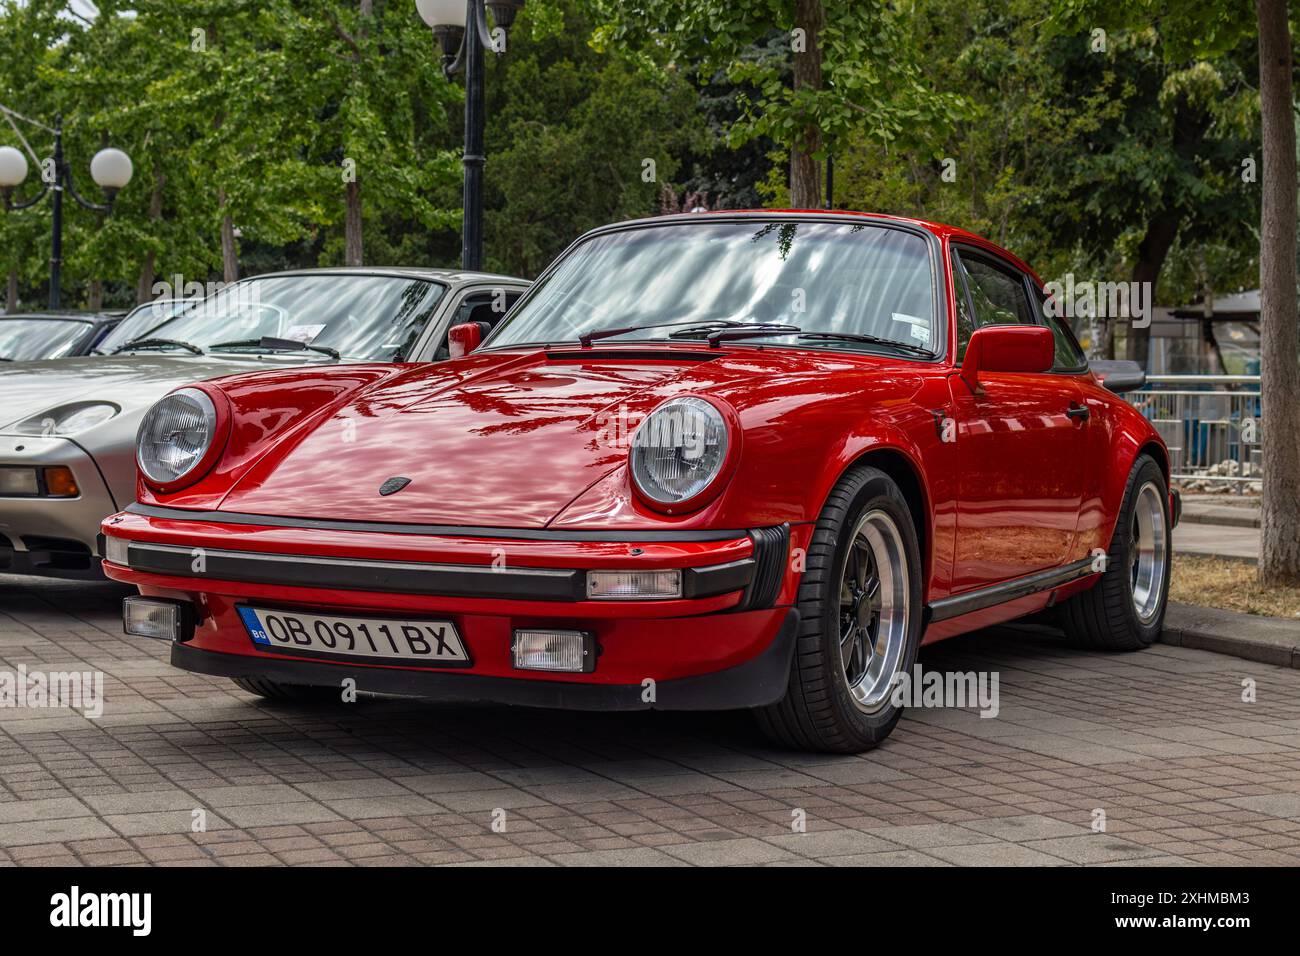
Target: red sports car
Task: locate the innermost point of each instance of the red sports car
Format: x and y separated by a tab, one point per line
738	460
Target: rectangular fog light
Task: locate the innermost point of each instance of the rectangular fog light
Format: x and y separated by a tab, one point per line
634	585
158	618
538	650
18	481
115	550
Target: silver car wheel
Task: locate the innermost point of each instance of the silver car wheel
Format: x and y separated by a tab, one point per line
873	610
1148	555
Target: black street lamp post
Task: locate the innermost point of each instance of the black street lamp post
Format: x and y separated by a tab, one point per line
110	169
461	28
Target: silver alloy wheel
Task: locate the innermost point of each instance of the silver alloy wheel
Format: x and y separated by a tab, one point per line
1148	556
873	610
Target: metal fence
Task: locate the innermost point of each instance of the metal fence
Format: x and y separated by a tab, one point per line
1211	423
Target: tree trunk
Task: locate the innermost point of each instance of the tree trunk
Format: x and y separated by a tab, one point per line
1279	559
144	286
229	254
95	295
11	293
1107	347
805	171
1151	254
353	251
352	255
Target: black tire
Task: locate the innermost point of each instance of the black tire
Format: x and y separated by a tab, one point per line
292	693
1104	617
817	712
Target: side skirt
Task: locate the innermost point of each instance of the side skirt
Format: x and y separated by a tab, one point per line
996	594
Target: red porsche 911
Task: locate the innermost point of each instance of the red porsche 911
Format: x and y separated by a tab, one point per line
738	460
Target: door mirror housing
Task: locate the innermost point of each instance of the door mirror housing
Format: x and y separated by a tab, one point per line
464	338
1007	348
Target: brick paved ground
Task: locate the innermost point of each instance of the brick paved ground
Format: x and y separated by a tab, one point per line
1161	741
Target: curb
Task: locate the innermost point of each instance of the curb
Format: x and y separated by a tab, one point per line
1218	555
1223	517
1251	637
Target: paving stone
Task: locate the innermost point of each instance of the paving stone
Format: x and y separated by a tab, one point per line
1092	848
819	844
995	854
743	851
924	835
1029	827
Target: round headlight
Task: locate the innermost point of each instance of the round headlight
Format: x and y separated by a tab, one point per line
679	450
175	434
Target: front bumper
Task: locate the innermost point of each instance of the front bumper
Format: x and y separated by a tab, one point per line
53	536
754	683
726	643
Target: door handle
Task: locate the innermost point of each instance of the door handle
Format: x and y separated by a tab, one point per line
1079	411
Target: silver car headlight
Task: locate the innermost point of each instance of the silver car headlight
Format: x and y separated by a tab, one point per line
679	450
175	435
67	419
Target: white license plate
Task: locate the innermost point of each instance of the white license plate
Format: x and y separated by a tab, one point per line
431	643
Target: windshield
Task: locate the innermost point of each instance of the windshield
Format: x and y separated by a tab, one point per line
848	278
25	339
140	321
364	318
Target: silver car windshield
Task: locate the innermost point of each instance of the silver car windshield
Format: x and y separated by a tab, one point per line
24	339
140	321
363	318
850	279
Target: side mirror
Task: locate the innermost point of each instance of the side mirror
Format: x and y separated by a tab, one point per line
1007	348
1119	375
464	338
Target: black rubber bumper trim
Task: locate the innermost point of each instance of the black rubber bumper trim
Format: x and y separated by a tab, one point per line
407	577
353	574
771	551
434	530
759	681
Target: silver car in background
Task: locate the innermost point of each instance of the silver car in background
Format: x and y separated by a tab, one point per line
68	426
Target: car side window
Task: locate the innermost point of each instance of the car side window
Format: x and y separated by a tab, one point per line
997	297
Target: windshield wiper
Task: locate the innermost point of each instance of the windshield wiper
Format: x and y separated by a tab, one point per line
158	343
735	330
271	344
587	338
869	339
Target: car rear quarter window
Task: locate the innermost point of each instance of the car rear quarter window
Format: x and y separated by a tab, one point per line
1070	356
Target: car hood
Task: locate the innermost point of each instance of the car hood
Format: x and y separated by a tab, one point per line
132	382
502	440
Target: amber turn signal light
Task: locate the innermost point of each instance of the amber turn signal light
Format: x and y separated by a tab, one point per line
59	483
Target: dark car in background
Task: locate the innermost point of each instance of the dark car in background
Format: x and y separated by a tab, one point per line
29	336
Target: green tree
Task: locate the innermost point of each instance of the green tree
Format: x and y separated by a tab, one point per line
380	105
575	138
852	76
28	34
